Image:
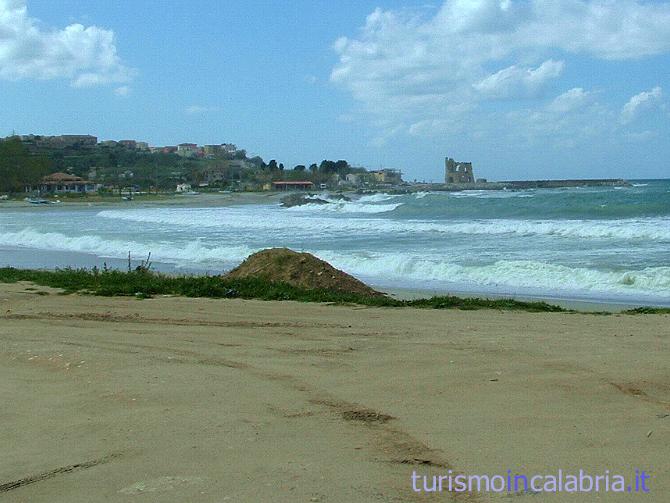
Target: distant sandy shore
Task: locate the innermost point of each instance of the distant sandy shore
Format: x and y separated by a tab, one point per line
204	199
197	400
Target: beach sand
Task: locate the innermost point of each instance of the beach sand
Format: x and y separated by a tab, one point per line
198	400
205	199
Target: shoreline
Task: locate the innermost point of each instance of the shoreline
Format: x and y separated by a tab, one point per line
145	283
49	259
571	302
53	260
214	199
222	198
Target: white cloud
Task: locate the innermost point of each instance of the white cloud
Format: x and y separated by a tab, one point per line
85	55
640	102
515	81
573	99
570	119
417	71
122	91
199	110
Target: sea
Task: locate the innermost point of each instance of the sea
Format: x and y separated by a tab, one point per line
600	244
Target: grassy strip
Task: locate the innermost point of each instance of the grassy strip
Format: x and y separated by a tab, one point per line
144	284
649	310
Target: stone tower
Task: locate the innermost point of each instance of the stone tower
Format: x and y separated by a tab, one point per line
458	172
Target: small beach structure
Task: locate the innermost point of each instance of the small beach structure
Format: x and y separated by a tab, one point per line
63	183
293	185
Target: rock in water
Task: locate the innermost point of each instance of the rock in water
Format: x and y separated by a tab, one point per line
300	200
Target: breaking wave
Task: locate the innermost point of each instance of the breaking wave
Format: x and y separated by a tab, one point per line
188	252
347	207
364	204
408	268
508	275
653	229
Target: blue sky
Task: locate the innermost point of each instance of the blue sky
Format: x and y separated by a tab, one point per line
523	89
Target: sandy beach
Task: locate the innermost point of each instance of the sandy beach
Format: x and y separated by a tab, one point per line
207	199
174	400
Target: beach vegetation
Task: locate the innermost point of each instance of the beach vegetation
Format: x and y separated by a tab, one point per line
144	283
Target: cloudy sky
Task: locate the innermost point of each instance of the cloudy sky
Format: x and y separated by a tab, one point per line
523	89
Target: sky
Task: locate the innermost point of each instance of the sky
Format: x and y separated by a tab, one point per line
527	89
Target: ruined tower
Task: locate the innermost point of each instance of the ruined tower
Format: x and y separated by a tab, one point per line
458	172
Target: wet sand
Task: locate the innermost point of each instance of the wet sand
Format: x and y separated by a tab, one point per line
181	400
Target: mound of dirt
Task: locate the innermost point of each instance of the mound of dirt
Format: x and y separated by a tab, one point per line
301	270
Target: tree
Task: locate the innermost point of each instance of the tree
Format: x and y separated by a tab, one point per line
272	165
18	167
299	167
281	166
256	161
327	166
313	168
342	167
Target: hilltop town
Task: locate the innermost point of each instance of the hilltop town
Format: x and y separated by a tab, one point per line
83	164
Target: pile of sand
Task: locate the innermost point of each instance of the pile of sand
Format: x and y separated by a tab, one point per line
301	270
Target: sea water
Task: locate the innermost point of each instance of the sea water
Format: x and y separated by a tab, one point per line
599	243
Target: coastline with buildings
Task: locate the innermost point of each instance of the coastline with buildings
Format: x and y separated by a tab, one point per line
201	214
76	165
86	166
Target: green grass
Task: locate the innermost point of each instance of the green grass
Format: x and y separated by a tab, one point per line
145	284
648	310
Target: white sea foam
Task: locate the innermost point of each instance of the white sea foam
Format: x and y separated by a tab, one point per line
346	207
400	266
379	197
187	252
651	229
408	267
491	194
363	204
513	274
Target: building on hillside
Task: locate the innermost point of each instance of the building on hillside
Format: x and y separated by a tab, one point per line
129	144
183	187
293	185
458	172
64	183
353	179
187	149
72	140
212	150
223	148
142	145
392	176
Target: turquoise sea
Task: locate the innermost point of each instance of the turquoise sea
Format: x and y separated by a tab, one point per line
601	243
